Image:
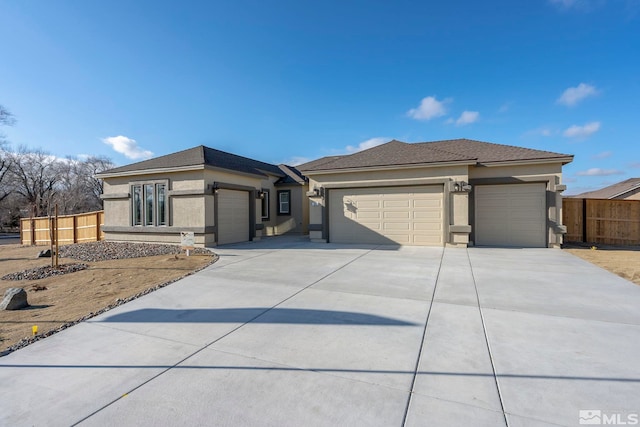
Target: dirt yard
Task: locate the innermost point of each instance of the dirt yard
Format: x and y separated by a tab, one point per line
71	297
621	260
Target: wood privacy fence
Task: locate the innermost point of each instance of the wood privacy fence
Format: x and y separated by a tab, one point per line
609	222
85	227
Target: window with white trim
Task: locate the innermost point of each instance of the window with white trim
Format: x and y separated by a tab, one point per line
284	202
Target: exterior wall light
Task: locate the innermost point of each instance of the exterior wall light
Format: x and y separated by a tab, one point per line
461	187
316	193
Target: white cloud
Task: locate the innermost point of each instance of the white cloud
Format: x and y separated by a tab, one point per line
467	117
599	172
573	95
296	160
603	155
127	146
576	131
429	108
541	131
369	143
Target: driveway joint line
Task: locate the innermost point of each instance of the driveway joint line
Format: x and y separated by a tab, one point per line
424	335
206	346
486	338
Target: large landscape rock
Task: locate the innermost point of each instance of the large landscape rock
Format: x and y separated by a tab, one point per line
45	253
14	299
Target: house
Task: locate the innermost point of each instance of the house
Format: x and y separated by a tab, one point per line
455	192
625	190
221	197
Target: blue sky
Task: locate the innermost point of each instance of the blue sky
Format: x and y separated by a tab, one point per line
284	81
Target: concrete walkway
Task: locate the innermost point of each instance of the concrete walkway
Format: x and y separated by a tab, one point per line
287	333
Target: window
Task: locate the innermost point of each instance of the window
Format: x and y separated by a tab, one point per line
284	202
161	191
265	205
137	205
149	204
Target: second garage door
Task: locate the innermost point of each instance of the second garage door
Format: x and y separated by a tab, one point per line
511	215
387	215
233	216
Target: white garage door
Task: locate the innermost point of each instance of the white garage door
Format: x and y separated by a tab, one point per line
387	215
511	215
233	216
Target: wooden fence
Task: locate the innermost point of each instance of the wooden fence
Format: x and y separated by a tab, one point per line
609	222
85	227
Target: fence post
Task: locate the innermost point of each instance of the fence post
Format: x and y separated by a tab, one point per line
75	229
97	226
33	231
584	220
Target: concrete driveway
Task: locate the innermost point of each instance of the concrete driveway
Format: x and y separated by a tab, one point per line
285	332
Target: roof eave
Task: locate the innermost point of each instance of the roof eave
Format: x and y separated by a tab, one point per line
389	167
564	160
152	171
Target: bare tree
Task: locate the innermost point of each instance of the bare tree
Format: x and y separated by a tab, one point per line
34	176
92	166
6	119
78	189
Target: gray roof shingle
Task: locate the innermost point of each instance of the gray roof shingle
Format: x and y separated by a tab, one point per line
397	153
204	156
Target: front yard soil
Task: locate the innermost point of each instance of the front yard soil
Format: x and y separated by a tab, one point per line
621	260
70	297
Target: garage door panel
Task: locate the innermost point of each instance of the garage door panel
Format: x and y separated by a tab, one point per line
396	204
387	215
396	226
233	216
427	215
368	204
428	226
397	215
511	215
427	203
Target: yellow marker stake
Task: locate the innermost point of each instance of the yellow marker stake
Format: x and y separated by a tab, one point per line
34	329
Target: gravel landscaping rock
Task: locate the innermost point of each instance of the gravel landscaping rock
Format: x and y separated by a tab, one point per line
103	251
46	271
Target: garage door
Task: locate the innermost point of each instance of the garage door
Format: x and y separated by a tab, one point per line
233	216
511	215
386	215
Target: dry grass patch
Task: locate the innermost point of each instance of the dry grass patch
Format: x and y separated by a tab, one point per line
59	300
620	260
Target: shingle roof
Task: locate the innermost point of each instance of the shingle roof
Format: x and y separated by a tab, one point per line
397	153
204	156
291	176
613	190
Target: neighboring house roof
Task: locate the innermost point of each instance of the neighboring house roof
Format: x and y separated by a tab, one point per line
613	191
397	153
197	156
